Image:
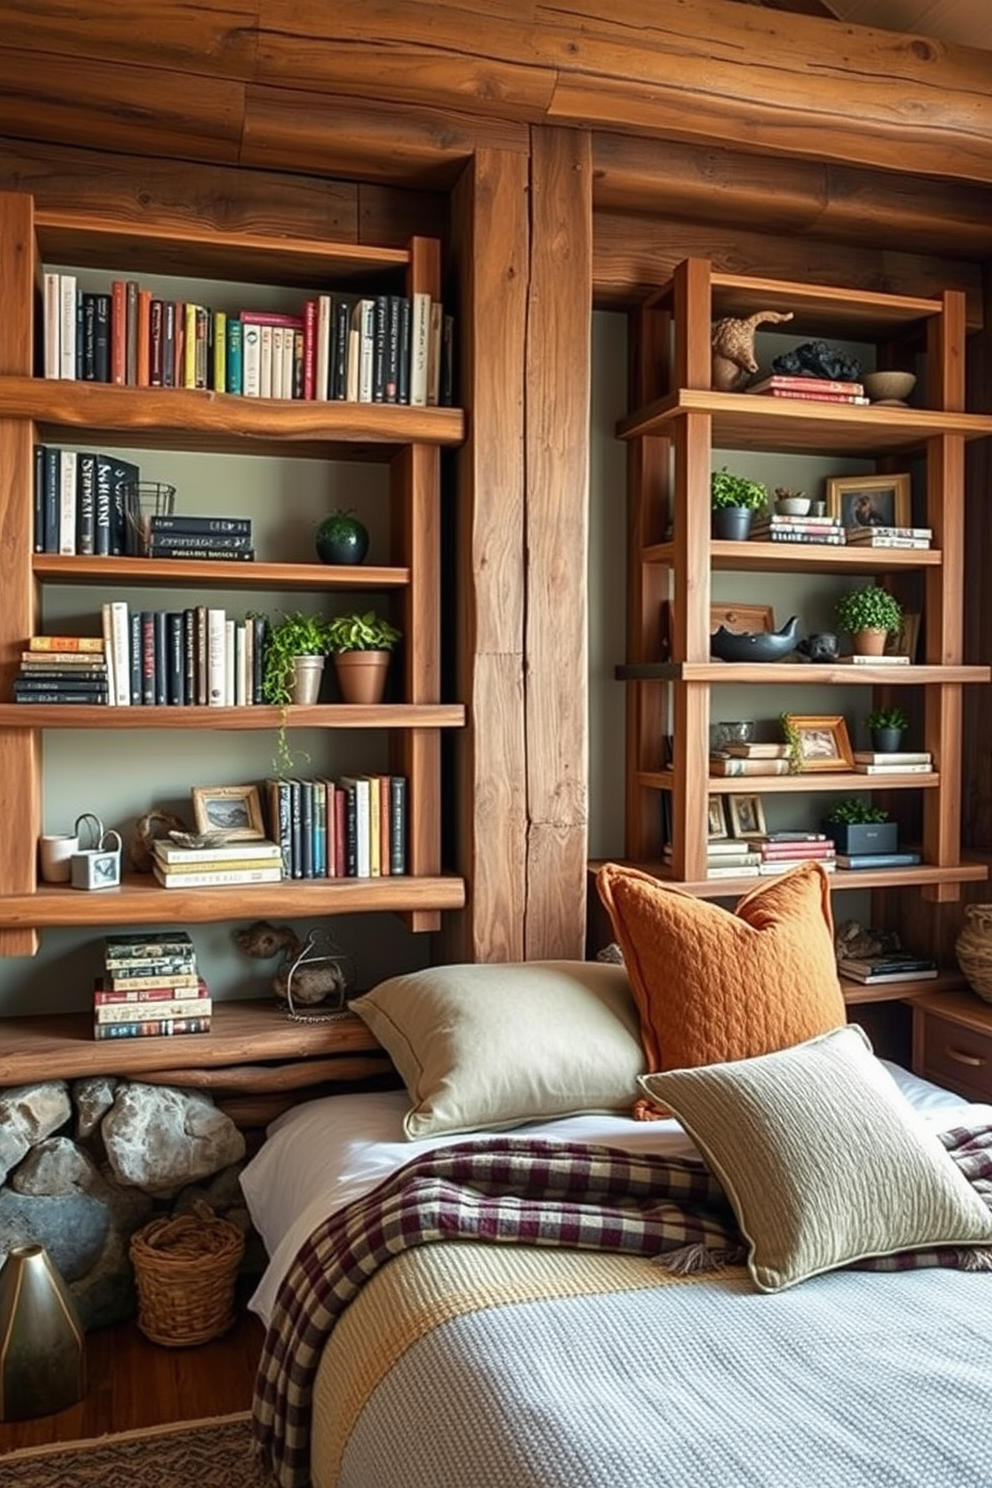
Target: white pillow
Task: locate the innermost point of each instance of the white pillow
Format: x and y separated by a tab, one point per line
822	1158
487	1047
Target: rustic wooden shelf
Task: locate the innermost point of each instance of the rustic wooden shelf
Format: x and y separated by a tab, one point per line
316	715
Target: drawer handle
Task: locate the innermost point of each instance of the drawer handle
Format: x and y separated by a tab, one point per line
962	1058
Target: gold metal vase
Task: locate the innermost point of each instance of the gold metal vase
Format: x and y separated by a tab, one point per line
42	1350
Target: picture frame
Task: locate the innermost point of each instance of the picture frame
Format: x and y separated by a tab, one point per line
716	818
822	741
904	641
742	619
747	816
235	810
869	500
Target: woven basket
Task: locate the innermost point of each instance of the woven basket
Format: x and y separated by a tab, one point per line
973	949
186	1268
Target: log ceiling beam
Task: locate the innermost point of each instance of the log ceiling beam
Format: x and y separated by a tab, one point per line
699	72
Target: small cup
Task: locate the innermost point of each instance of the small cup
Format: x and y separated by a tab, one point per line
55	852
741	732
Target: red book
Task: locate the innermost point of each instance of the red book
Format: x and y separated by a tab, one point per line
771	850
340	831
818	385
310	350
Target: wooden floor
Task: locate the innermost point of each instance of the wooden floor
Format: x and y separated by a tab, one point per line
133	1383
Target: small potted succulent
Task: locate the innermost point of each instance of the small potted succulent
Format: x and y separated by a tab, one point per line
870	613
734	499
887	726
857	826
361	643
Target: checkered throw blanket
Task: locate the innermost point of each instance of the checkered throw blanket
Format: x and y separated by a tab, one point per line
509	1191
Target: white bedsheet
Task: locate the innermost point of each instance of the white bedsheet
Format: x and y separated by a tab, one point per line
326	1153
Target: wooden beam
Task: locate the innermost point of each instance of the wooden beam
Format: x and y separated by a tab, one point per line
710	71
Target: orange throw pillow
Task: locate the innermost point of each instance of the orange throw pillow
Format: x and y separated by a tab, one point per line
713	985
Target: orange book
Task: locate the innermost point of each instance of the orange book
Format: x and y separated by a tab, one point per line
144	368
118	332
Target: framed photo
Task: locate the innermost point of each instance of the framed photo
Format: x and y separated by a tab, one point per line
747	816
717	819
742	619
822	741
235	810
869	500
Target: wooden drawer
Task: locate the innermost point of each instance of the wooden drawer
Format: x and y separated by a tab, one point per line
951	1053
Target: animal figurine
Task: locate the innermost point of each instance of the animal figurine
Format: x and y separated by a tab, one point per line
732	342
318	975
143	831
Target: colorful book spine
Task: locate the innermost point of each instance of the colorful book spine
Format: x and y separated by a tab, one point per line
152	1028
137	1012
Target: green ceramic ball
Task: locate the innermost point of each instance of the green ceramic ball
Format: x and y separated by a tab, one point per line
342	538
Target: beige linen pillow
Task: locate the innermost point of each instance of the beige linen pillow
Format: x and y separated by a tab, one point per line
483	1047
822	1158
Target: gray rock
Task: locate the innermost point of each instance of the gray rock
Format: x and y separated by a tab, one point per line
72	1229
93	1098
28	1114
159	1139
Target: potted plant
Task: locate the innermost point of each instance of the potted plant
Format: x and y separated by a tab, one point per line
360	643
887	726
870	613
294	659
857	826
734	499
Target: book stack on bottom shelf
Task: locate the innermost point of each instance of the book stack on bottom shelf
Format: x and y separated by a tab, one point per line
255	862
150	988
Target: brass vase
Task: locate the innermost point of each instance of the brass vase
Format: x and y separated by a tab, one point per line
42	1357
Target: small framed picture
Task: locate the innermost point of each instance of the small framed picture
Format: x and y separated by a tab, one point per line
869	500
235	810
717	820
747	816
822	741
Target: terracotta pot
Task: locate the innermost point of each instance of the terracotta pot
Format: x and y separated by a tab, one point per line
362	675
869	642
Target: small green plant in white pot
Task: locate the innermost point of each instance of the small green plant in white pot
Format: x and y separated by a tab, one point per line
734	500
361	643
870	613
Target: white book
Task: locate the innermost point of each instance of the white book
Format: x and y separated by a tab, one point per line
216	657
722	870
67	501
897	757
120	631
230	663
67	327
108	652
769	866
888	659
420	330
141	1012
363	846
322	364
53	324
289	335
240	664
218	876
168	853
920	769
365	313
251	359
265	363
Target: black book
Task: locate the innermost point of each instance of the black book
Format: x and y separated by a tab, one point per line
46	677
260	637
380	338
86	502
101	338
295	821
340	329
175	646
62	695
163	524
306	828
168	343
392	349
397	824
86	341
189	656
164	542
403	370
160	626
59	682
124	478
53	474
39	498
148	658
135	656
243	555
104	504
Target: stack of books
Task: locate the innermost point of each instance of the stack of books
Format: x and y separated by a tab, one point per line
255	862
775	528
779	851
728	857
896	762
888	537
62	669
150	987
750	759
810	389
897	859
226	539
887	658
888	966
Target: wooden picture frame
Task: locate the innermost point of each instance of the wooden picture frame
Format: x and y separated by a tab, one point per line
742	619
869	500
822	741
747	816
235	810
716	819
904	641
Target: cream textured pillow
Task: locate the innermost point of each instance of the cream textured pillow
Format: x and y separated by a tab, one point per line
822	1158
483	1047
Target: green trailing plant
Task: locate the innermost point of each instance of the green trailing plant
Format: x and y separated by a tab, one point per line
887	718
361	632
790	734
853	812
868	608
727	489
294	635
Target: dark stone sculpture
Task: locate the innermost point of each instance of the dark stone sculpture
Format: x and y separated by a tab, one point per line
818	359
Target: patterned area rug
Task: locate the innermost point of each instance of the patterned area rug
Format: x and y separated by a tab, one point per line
196	1454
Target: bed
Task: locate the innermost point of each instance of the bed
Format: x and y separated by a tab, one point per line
498	1275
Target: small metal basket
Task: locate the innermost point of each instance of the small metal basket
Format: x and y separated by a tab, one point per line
142	501
99	865
324	975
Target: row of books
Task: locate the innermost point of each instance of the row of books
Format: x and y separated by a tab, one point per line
81	500
354	826
378	348
150	987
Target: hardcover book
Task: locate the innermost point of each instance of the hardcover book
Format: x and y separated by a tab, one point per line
879	860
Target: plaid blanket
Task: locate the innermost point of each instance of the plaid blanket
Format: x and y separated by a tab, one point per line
512	1190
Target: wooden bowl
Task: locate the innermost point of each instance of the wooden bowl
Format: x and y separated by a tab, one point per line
888	387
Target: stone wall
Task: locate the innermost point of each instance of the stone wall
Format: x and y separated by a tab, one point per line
83	1164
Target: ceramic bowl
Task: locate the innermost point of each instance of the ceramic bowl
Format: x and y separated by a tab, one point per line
888	387
754	645
792	506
